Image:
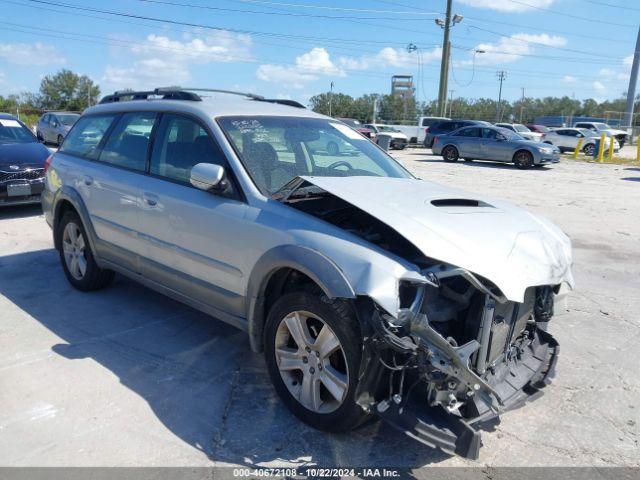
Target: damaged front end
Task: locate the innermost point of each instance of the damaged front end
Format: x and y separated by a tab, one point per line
456	356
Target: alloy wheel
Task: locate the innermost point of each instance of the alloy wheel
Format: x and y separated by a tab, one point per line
73	247
311	362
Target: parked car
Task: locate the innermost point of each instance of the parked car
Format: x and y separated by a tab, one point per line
369	291
445	127
600	128
566	139
494	143
399	140
521	130
54	126
22	161
537	128
358	127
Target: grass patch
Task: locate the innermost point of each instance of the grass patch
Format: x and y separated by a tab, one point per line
610	161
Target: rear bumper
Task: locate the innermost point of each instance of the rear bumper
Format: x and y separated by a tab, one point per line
36	190
435	427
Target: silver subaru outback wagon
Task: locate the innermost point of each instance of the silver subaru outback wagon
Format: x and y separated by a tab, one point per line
369	291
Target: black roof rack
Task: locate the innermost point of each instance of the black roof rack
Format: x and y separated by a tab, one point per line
183	93
168	93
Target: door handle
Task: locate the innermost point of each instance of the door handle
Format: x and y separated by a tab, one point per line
87	180
150	199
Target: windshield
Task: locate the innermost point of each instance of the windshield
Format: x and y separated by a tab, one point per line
388	129
275	150
13	131
510	134
521	128
588	133
68	118
601	126
351	122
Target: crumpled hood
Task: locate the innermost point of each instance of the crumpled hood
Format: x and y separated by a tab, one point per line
503	243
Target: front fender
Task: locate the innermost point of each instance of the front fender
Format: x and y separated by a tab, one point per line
324	272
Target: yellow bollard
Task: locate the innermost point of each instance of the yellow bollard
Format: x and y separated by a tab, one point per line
578	148
612	142
601	147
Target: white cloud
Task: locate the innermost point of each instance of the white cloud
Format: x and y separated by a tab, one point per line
307	67
508	5
31	54
569	79
510	49
163	61
394	57
599	87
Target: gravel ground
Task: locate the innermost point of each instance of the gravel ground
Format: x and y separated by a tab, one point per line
128	377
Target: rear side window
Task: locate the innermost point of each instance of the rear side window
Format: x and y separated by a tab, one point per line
86	135
180	144
468	132
128	142
447	126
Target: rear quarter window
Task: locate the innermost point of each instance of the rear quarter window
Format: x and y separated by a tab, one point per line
84	138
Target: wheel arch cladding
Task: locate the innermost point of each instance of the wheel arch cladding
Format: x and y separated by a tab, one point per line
312	264
68	199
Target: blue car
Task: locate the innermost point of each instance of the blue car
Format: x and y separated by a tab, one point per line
22	160
494	143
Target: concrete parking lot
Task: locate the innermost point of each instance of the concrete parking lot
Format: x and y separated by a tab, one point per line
128	377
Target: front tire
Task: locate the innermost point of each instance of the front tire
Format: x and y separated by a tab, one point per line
77	259
312	347
523	159
589	150
450	154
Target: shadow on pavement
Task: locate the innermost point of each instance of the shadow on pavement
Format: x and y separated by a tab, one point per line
197	374
632	179
20	211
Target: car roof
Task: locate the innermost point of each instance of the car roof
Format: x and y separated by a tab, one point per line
61	113
211	105
7	116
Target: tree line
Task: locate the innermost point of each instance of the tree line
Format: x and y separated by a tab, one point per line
64	90
390	109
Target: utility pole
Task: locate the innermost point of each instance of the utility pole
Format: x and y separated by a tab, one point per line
330	98
522	104
444	61
631	91
502	76
451	92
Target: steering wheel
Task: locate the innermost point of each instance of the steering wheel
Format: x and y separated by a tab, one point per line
340	163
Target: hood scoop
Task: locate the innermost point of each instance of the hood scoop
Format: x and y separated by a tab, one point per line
459	202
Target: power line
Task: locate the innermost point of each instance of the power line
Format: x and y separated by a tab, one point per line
188	24
285	14
605	4
338	9
570	15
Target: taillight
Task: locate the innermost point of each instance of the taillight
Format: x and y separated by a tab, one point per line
426	130
435	140
47	162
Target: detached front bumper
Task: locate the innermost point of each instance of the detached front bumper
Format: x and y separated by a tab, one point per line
435	427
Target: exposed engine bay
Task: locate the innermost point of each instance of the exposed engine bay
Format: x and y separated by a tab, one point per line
456	354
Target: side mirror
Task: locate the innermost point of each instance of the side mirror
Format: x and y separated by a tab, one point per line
207	176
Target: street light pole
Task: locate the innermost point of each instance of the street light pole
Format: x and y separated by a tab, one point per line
444	62
631	91
330	97
502	75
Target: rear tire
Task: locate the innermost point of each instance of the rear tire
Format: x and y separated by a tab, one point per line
450	154
78	262
523	159
314	312
589	149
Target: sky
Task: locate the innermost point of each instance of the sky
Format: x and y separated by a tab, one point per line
296	48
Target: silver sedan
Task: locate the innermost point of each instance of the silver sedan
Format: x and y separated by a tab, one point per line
494	143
